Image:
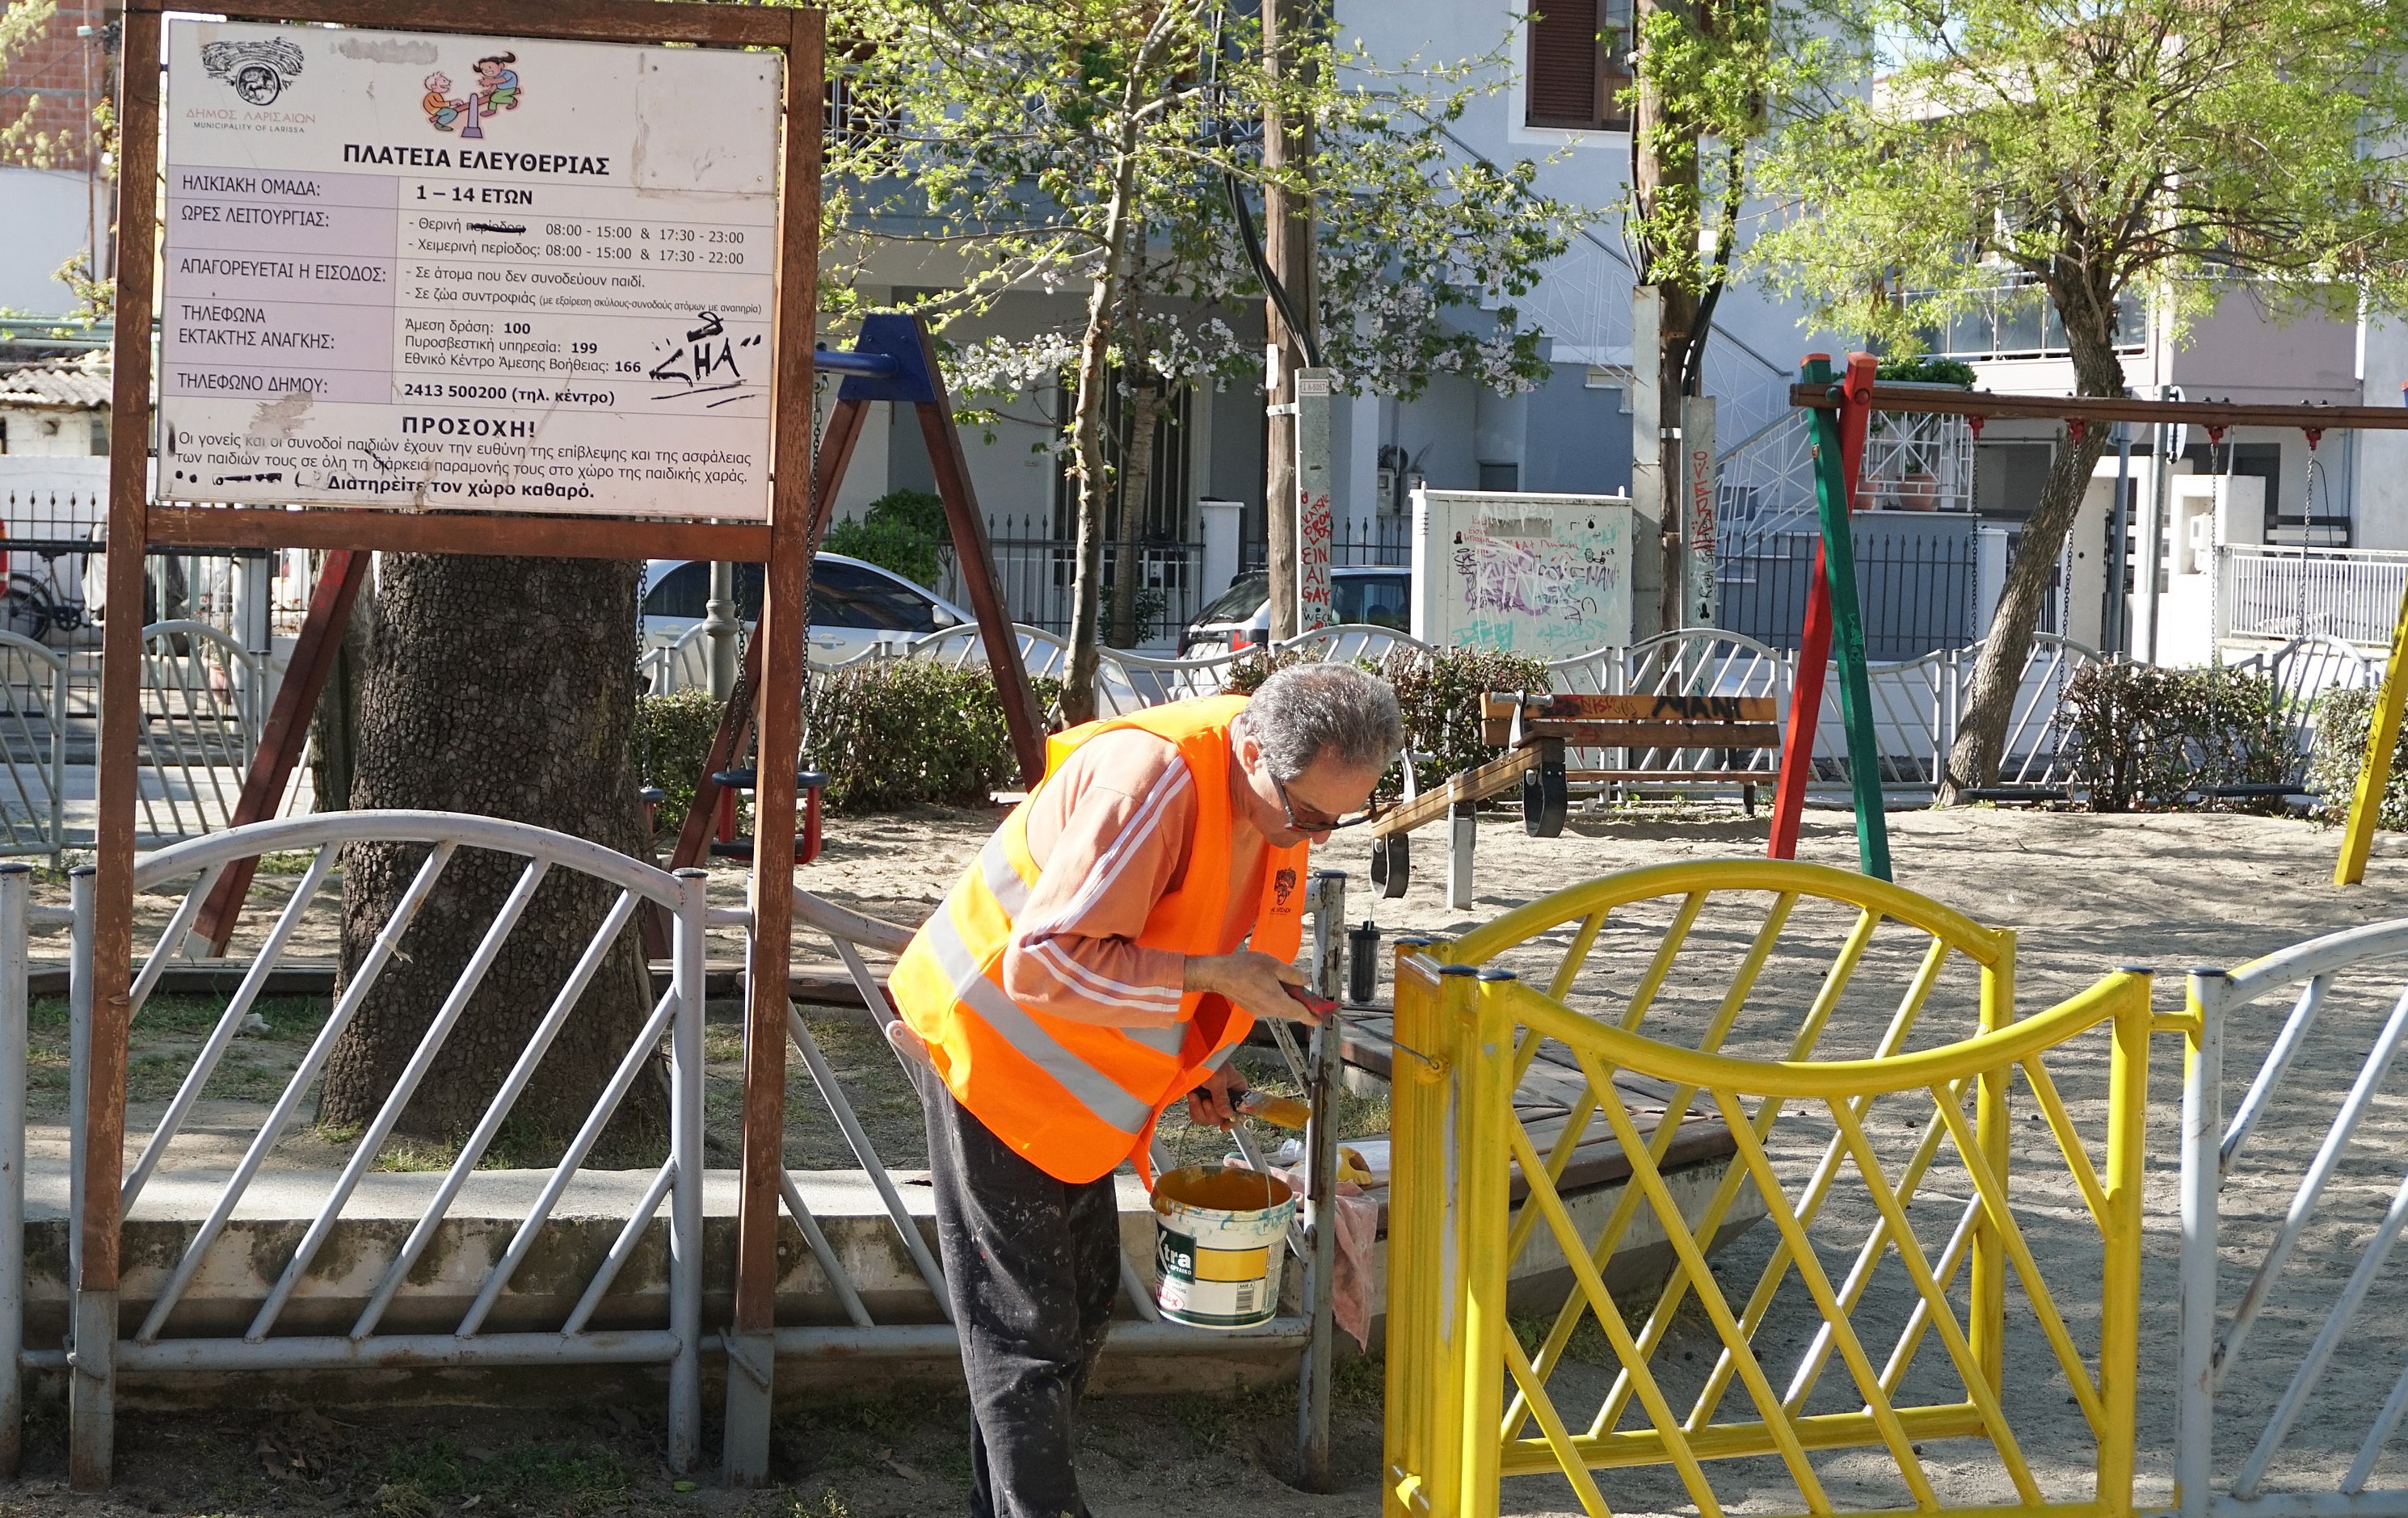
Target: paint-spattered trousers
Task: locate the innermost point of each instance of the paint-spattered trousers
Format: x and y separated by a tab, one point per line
1032	1265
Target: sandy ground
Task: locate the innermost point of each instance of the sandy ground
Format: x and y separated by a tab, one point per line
2084	893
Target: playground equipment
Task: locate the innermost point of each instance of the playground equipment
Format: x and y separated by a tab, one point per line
1831	597
1463	1159
1537	729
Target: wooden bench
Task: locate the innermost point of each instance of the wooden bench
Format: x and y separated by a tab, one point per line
1538	729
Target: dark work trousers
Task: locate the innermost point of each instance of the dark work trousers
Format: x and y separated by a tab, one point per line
1033	1267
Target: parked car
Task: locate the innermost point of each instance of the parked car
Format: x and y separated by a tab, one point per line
1240	617
854	604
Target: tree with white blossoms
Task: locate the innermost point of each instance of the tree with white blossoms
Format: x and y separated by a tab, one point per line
1054	145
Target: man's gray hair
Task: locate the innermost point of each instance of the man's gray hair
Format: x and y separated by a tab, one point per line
1306	711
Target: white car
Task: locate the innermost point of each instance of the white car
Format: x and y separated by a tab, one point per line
854	605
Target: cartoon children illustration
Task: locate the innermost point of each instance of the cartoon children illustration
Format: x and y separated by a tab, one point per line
498	83
440	109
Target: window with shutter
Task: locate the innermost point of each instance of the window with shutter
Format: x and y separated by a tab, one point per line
1575	68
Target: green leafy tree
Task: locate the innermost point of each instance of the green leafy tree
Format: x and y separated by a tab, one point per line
903	530
2092	152
1101	148
1711	79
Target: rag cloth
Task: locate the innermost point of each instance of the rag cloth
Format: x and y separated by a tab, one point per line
1359	1231
1032	1267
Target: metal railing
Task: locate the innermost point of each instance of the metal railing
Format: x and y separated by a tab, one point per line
1035	571
1863	1152
32	748
2311	1298
2353	594
168	1341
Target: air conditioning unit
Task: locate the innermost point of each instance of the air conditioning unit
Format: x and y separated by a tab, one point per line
2202	542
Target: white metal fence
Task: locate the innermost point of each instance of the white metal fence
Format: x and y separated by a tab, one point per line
1919	705
198	1341
2286	593
2286	1306
213	1302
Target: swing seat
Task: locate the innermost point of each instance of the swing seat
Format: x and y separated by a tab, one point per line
808	785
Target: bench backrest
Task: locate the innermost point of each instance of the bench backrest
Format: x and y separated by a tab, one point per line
1636	722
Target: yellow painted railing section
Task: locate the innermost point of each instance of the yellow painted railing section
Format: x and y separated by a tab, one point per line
1452	1430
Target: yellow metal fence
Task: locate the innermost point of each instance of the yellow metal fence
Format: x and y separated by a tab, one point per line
1474	1396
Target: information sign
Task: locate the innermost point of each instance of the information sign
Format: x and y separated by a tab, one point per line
432	271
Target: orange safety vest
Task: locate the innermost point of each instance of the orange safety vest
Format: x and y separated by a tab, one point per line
1076	1098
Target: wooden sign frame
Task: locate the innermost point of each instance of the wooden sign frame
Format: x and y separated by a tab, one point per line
783	543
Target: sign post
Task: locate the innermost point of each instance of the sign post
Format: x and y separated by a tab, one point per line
1700	592
1313	525
548	288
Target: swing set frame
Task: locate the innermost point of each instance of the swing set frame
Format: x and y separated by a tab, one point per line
1833	632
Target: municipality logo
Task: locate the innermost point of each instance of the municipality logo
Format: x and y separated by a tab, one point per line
257	70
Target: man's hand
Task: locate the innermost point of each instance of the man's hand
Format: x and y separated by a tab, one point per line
1214	1104
1253	980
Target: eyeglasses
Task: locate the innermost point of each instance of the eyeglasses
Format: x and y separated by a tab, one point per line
1318	824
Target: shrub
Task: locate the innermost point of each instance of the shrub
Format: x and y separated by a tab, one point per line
903	530
2343	718
1438	696
1926	371
896	733
2141	738
673	736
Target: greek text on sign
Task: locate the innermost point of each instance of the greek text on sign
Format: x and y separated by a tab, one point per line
423	270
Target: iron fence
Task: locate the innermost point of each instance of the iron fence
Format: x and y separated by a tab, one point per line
1037	572
1916	588
1385	541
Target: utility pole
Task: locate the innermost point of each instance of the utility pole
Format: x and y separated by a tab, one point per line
1663	175
1287	247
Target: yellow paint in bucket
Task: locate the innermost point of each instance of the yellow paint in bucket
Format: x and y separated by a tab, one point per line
1219	1236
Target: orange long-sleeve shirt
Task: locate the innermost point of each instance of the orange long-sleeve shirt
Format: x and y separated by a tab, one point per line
1110	832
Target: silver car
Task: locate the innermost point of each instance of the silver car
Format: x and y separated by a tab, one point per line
854	605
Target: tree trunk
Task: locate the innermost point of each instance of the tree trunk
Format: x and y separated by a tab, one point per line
1087	436
1999	672
503	688
1136	482
1287	248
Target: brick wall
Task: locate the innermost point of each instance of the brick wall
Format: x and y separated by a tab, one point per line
63	71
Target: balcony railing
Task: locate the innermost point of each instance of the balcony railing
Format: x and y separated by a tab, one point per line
2277	594
2020	321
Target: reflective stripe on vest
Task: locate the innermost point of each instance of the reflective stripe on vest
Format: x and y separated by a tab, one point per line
1094	1089
1011	892
1072	1096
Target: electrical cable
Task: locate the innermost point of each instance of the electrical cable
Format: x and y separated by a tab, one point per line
1248	236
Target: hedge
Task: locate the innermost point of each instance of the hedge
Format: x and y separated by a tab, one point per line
2142	738
673	736
2342	720
1438	696
897	733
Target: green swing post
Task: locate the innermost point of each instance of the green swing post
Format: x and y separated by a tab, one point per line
1848	612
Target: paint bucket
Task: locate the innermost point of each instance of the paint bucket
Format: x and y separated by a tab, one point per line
1219	1235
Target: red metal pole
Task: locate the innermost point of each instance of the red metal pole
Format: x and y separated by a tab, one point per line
286	732
1815	638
